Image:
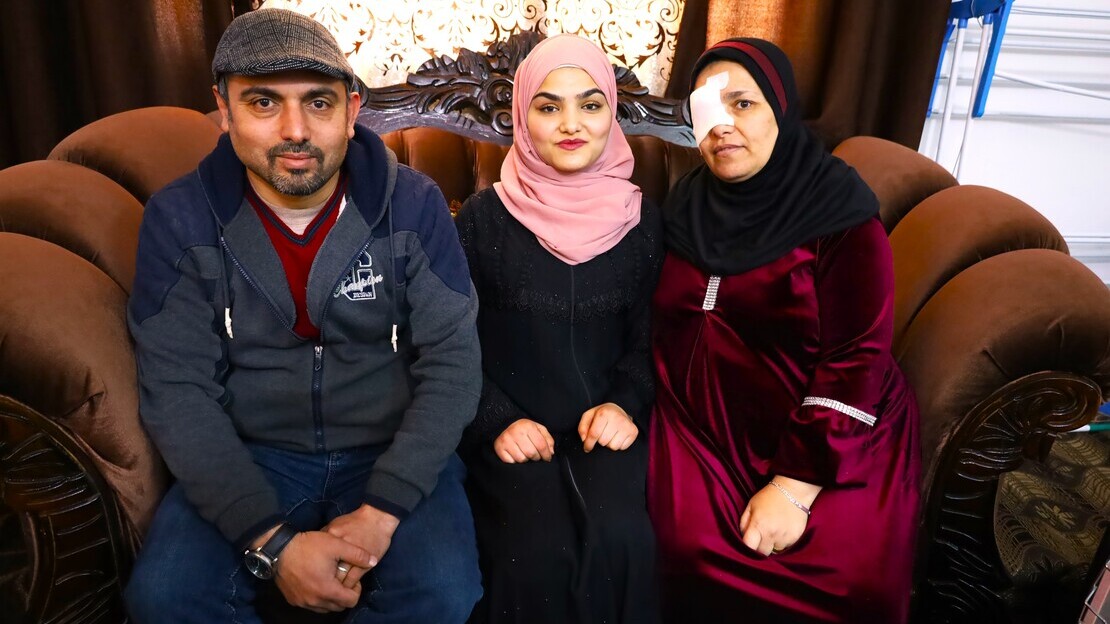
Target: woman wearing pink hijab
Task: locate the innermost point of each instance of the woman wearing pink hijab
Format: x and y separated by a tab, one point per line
564	253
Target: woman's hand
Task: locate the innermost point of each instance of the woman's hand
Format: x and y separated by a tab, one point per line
771	522
608	425
524	440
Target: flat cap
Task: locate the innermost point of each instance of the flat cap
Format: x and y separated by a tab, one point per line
269	41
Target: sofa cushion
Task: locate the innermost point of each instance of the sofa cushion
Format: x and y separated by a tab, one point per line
899	176
1000	320
142	149
1051	518
952	230
1052	514
75	208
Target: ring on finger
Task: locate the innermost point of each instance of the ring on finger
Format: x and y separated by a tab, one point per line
343	569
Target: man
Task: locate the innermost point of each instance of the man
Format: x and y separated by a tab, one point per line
305	333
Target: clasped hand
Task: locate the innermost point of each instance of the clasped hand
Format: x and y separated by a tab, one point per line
771	522
527	440
307	571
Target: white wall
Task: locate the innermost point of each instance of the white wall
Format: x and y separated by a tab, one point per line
1048	148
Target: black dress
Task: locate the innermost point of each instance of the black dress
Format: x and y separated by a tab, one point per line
570	540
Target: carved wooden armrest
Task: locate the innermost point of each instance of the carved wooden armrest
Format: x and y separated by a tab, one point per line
961	576
1007	354
63	554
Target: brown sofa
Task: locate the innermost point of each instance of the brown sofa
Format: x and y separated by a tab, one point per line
1004	337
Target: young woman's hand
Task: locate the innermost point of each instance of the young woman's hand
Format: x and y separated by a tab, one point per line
771	522
524	440
608	425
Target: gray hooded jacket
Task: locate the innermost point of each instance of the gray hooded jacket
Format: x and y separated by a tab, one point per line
220	365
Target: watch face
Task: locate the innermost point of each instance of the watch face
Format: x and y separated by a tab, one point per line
259	564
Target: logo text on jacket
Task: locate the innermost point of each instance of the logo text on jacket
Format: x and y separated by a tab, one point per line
358	285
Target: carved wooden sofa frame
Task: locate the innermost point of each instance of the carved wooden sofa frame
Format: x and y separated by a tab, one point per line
1005	338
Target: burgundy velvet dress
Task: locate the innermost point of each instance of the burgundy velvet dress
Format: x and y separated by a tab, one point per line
784	369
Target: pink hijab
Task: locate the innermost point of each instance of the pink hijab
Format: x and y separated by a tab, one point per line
576	216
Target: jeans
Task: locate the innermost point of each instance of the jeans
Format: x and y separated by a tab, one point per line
188	572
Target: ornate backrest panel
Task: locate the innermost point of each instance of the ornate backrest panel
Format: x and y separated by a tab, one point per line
471	95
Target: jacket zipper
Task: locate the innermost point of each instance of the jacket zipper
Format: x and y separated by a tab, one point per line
318	353
317	382
317	350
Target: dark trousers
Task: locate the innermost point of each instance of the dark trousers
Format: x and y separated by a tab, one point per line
188	572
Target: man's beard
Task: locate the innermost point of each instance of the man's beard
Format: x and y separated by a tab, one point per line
299	183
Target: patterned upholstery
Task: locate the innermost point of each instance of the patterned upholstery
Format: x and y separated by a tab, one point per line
1051	518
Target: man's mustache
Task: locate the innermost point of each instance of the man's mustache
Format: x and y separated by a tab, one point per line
288	147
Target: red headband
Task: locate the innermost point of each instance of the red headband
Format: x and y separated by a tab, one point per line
764	63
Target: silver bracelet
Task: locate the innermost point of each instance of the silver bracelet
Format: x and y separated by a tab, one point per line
790	497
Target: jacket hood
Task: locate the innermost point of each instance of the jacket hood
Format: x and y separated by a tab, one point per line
371	170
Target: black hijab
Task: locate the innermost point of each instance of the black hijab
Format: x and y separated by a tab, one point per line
802	193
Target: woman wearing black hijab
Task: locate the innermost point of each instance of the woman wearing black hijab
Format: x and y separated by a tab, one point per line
784	473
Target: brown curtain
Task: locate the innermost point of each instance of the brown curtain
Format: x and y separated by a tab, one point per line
863	66
65	63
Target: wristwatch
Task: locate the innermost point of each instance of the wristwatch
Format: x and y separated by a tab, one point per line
261	561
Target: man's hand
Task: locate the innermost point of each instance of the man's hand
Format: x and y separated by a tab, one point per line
369	528
524	440
608	425
306	572
771	521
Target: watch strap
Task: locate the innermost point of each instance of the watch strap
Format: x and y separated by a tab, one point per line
278	541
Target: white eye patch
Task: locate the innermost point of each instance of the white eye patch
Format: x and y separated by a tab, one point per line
706	109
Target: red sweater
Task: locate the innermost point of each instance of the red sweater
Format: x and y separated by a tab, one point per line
297	251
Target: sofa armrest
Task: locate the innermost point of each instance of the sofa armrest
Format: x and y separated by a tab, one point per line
1010	352
1006	317
960	575
64	550
80	477
67	354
